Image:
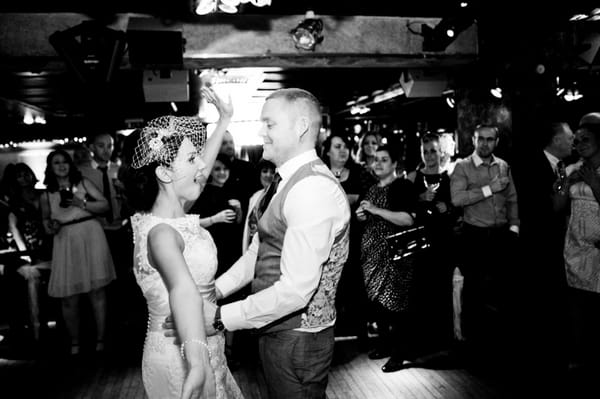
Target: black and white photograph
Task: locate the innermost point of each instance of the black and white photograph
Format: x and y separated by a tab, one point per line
299	199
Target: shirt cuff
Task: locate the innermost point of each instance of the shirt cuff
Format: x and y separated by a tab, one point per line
226	285
514	228
232	317
487	191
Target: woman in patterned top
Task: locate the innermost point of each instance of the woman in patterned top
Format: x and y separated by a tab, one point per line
388	207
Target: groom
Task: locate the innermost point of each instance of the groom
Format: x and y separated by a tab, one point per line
295	260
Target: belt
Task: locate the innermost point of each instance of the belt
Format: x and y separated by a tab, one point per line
75	221
489	228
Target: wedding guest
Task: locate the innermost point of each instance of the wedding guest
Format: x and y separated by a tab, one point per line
351	298
219	207
482	185
81	260
581	191
367	145
388	207
267	172
242	174
434	276
25	224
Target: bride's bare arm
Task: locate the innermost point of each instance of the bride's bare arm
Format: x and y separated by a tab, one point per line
165	252
213	144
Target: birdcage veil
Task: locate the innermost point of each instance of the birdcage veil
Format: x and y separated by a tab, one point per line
161	138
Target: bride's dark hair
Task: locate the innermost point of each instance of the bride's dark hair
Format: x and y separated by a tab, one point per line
141	187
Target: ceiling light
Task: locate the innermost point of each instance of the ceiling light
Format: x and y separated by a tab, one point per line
389	94
439	37
449	96
496	92
578	17
359	109
204	7
572	95
308	33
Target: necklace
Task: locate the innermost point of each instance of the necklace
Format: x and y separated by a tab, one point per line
338	173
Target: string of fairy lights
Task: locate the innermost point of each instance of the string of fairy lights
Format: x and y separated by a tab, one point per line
39	143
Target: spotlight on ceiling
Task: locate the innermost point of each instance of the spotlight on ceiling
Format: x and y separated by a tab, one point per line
439	37
449	96
496	92
308	33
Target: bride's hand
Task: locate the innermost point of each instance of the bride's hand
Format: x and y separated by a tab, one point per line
225	108
199	383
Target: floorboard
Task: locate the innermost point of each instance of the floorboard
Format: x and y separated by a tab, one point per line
49	373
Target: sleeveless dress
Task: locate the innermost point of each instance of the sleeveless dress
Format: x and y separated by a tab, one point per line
81	259
581	254
163	369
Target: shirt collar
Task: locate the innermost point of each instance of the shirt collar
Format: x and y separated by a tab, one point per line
292	165
552	159
95	164
477	161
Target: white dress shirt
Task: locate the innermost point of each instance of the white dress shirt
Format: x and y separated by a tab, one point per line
553	161
316	210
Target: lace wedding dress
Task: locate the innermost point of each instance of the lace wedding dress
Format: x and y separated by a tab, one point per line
163	369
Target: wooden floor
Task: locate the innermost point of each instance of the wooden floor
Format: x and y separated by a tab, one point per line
45	371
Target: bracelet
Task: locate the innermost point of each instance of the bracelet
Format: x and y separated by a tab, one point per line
196	341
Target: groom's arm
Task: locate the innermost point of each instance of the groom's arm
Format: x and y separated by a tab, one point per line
240	273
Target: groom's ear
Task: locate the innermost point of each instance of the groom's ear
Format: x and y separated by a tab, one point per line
163	174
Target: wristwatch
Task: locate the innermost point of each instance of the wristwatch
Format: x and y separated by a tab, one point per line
218	323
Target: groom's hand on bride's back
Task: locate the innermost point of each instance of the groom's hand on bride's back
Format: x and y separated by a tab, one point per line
170	330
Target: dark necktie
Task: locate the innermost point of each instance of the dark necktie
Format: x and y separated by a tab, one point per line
106	186
264	201
560	170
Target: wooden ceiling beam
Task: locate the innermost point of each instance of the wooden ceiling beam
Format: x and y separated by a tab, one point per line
253	40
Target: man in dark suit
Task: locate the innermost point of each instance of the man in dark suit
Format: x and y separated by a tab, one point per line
543	303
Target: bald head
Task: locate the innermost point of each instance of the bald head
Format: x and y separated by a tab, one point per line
228	146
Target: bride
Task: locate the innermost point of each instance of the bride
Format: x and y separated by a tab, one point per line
175	258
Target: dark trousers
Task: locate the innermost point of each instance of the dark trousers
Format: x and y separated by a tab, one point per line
398	332
489	270
296	364
584	307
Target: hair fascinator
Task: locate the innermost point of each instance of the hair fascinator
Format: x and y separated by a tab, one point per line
161	138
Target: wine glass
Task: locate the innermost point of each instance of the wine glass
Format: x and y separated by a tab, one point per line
433	187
